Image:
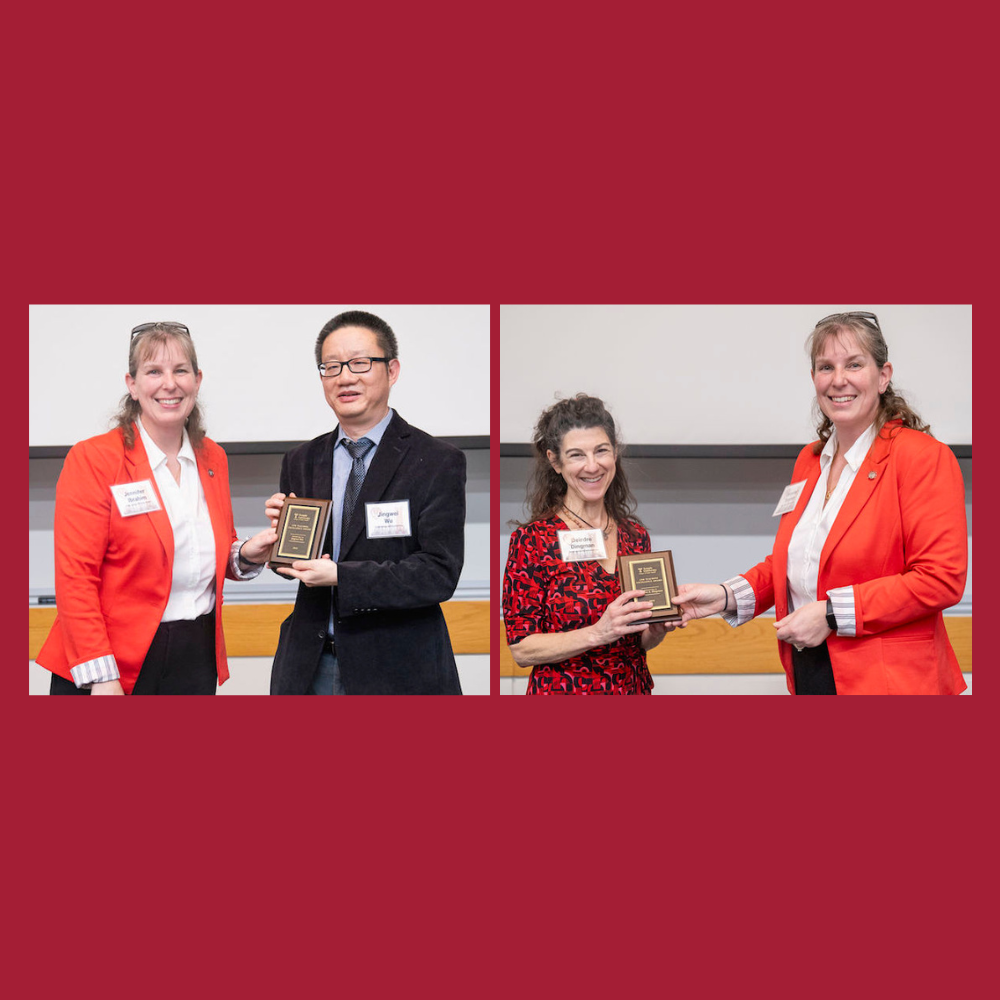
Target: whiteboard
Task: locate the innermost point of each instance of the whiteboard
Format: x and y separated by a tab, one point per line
260	381
718	374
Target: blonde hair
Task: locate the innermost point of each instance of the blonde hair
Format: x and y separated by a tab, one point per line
140	350
891	404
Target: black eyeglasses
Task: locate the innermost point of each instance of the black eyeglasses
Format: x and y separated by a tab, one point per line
168	325
871	317
331	369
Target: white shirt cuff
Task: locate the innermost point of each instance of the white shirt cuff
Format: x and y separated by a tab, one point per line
104	668
842	599
236	564
746	601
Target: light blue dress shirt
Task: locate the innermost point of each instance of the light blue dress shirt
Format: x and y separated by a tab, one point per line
342	464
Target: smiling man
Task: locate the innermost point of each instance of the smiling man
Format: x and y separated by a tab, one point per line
367	617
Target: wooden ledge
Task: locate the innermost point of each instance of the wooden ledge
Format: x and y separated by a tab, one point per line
252	629
713	647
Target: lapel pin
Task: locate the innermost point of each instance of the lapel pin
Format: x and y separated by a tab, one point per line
211	472
871	475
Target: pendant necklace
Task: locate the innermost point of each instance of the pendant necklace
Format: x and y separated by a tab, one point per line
829	492
605	531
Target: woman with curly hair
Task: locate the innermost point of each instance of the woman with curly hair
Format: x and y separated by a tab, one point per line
567	618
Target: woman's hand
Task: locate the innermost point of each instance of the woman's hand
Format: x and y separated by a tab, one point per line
699	600
805	626
107	687
273	505
621	617
312	572
256	549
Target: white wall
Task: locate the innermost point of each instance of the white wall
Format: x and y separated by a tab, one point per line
718	374
261	382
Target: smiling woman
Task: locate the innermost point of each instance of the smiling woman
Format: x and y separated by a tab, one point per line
165	388
144	537
871	546
566	616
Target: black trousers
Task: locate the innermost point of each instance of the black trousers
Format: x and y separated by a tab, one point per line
181	660
813	671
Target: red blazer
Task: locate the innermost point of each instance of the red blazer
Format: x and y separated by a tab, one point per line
900	540
113	573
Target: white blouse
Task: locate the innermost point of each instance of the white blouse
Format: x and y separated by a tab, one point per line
808	539
192	589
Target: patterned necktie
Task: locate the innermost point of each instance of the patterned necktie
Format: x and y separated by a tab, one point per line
357	450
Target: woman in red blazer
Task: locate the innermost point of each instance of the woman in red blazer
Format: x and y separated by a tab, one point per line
142	547
872	545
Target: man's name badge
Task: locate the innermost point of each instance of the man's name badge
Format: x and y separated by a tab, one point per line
789	498
135	498
579	546
388	520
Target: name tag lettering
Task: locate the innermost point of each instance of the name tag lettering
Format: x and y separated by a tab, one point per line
135	498
789	498
388	520
580	546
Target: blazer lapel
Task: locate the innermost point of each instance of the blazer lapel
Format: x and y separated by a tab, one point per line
787	526
137	468
210	483
388	456
320	472
870	474
319	475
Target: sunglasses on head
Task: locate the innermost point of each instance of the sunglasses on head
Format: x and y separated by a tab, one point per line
168	325
871	317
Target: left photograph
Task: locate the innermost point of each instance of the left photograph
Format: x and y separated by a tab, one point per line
259	499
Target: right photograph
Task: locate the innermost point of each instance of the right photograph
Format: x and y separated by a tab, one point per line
735	499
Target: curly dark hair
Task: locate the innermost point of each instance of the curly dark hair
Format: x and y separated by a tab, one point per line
547	489
891	404
141	349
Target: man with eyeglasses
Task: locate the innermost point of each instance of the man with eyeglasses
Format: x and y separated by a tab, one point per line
367	617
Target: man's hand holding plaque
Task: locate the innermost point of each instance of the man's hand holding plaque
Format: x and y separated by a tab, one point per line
301	525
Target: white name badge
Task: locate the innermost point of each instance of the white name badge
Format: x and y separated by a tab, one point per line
789	498
579	546
135	498
388	520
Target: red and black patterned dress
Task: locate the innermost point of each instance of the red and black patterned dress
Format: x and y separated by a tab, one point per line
543	594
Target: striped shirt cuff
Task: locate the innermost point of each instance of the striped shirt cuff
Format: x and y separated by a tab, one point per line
746	601
237	565
104	668
842	599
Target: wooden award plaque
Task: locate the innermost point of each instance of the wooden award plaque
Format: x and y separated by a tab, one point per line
652	572
301	529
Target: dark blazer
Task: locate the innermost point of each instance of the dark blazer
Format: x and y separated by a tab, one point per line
390	633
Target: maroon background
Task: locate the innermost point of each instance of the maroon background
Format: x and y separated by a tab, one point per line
525	153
